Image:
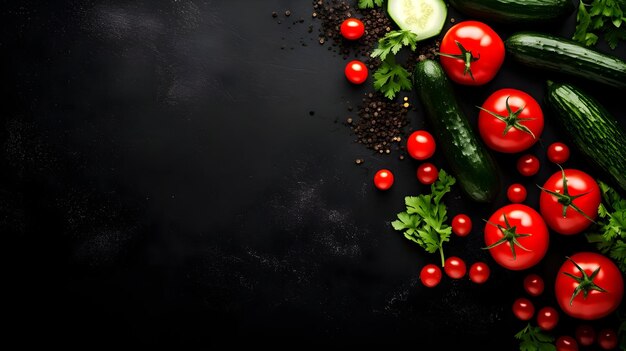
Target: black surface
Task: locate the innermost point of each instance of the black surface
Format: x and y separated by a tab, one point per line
164	183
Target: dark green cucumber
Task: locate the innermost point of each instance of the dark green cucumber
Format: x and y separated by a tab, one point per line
468	159
563	55
515	11
592	129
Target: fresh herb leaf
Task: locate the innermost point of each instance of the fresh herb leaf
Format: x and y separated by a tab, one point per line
393	41
390	78
424	221
602	16
534	339
370	4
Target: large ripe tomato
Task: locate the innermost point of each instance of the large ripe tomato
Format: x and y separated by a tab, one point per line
471	53
569	201
516	236
510	121
589	286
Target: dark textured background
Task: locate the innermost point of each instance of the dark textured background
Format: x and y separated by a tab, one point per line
163	183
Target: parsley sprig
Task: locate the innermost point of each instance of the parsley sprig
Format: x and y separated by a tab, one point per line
370	4
533	339
596	17
424	221
390	78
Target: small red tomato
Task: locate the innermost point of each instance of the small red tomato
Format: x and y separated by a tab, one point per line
533	284
516	193
461	225
383	179
352	29
607	339
547	318
356	72
421	145
558	152
479	272
566	343
427	173
585	334
430	275
455	267
523	309
528	165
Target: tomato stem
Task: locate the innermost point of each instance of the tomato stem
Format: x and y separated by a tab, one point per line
585	282
566	199
512	120
466	56
510	236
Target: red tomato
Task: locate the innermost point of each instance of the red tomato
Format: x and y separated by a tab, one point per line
558	153
510	121
528	165
589	286
533	284
547	318
607	339
566	343
569	201
455	267
523	309
479	272
585	335
427	173
352	29
471	53
383	179
461	225
516	236
420	145
356	72
516	193
430	275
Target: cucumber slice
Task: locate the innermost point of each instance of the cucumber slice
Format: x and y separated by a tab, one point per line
425	18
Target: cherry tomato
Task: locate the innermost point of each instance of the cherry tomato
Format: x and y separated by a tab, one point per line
533	284
356	72
455	267
430	275
528	165
461	225
352	29
523	309
479	272
471	53
516	193
580	200
558	152
420	145
589	286
585	335
383	179
547	318
510	121
607	339
427	173
566	343
516	236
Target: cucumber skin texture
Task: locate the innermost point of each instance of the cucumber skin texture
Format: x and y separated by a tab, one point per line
515	11
468	157
556	54
592	129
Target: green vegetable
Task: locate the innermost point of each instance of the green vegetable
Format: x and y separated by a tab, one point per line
370	4
468	157
600	17
393	41
534	339
425	18
609	232
390	78
557	54
515	11
424	220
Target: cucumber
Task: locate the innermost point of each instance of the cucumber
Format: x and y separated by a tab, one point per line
557	54
467	156
425	18
592	129
515	11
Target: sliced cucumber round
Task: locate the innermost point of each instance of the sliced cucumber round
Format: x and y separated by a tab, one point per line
425	18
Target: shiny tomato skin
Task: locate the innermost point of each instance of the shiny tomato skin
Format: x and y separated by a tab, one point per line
455	267
516	193
383	179
597	304
483	42
578	182
547	318
527	221
461	225
566	343
534	285
352	29
558	152
492	129
523	309
607	339
528	165
430	275
585	335
356	72
427	173
479	272
421	145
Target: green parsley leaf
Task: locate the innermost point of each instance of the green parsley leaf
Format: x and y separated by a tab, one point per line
390	78
393	41
534	339
603	17
424	221
370	4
